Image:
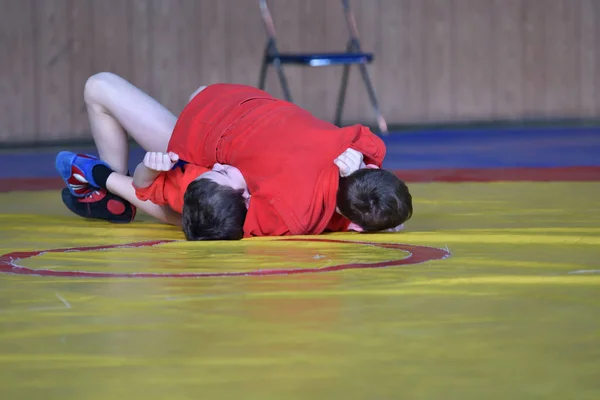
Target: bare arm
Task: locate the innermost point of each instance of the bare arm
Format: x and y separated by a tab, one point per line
145	173
144	176
121	185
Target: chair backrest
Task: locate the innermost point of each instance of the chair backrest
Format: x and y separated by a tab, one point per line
348	15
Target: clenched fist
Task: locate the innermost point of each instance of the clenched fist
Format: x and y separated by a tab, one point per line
158	161
349	162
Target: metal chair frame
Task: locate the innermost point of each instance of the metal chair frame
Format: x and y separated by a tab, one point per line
352	56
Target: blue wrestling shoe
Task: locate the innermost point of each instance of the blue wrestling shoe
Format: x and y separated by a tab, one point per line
100	204
76	171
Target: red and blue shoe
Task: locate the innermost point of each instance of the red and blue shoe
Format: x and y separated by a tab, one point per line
100	204
76	171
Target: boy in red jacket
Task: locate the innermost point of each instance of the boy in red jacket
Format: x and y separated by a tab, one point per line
287	157
249	129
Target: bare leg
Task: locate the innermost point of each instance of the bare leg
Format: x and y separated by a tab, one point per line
115	108
121	185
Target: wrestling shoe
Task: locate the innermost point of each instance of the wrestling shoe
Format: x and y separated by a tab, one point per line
100	204
76	171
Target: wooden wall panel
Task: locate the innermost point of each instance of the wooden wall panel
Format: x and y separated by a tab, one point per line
473	67
81	36
436	60
562	23
213	53
53	69
416	97
17	72
244	54
174	42
439	56
111	37
534	59
395	53
141	44
590	58
200	46
508	58
595	81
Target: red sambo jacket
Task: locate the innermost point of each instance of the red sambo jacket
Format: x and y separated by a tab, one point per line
284	152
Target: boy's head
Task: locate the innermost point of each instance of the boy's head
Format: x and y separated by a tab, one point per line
374	199
215	205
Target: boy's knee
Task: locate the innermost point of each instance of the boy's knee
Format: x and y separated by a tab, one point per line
98	84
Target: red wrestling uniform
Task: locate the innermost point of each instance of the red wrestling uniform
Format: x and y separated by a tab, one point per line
169	187
283	151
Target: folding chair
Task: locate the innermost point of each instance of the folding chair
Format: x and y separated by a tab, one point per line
352	55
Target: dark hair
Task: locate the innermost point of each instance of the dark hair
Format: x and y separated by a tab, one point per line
374	199
213	212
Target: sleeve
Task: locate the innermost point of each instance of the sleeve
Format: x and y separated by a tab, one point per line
370	145
338	223
263	220
170	187
156	192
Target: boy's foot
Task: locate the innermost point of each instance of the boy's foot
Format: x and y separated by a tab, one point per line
76	171
100	204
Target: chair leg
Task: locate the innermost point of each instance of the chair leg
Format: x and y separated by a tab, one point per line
342	95
283	80
371	91
264	68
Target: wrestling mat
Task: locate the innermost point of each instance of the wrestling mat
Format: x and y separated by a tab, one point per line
492	291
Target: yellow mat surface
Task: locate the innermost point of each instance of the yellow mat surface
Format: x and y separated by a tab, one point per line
491	292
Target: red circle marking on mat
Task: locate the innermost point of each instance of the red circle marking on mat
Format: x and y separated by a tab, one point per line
417	254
